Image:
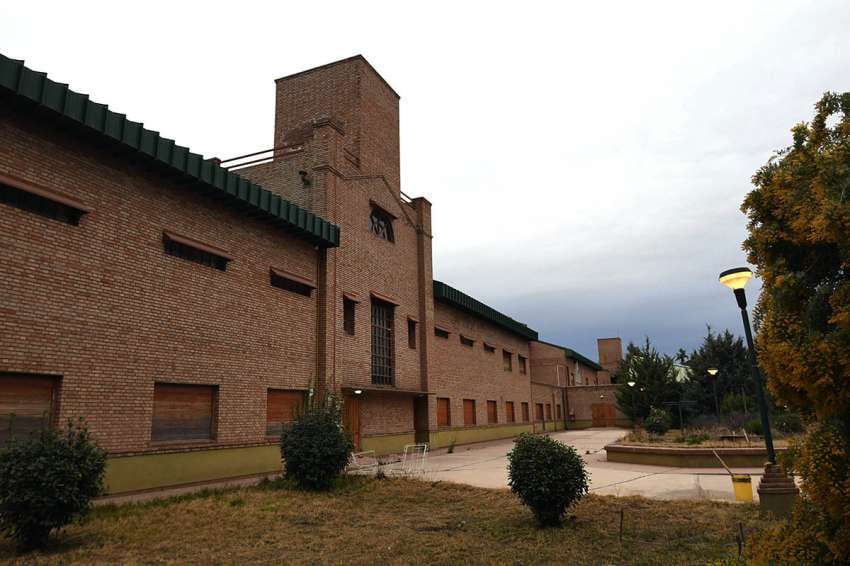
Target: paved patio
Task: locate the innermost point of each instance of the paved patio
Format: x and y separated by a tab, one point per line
485	465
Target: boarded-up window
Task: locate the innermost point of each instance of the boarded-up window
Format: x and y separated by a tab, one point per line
27	403
538	411
444	417
524	412
492	412
281	407
183	412
548	412
509	412
469	412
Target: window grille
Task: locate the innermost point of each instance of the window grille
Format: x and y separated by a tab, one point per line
381	224
382	343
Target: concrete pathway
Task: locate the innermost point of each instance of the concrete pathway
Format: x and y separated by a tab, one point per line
485	465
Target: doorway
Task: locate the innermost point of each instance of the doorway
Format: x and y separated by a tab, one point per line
604	414
351	419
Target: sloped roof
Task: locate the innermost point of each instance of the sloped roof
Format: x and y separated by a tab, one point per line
451	296
64	104
570	353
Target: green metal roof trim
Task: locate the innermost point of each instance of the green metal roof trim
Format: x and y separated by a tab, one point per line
449	295
570	353
65	103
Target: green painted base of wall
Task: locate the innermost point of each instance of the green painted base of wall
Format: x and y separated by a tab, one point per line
443	438
387	443
151	471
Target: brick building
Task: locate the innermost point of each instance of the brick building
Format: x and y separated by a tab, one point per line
184	306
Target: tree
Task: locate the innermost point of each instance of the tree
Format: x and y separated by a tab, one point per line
799	241
653	377
726	353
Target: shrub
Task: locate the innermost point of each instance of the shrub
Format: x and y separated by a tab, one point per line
697	437
789	423
658	421
315	449
753	426
547	476
47	480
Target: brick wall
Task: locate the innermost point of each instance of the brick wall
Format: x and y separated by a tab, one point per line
461	372
101	305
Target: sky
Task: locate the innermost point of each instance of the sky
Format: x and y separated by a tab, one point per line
586	161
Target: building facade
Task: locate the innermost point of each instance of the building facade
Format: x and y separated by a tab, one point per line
184	307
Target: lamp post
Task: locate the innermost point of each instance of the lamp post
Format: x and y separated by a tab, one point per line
713	373
736	279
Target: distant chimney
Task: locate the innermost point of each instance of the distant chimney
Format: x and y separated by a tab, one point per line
610	353
358	101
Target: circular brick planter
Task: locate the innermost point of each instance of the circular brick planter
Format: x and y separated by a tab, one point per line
687	457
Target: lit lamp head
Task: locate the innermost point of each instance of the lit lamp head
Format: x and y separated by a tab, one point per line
736	279
631	383
712	371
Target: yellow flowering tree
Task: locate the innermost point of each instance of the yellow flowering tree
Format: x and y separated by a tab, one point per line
799	240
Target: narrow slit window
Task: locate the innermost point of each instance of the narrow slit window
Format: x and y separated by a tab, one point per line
507	361
411	333
190	250
469	342
440	333
40	204
289	282
444	412
348	307
509	412
489	349
492	412
522	364
524	408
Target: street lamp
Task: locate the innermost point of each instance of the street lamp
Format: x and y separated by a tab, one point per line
736	279
713	372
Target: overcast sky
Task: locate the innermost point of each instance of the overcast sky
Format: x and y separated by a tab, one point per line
586	161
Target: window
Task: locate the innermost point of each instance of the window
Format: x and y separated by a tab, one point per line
183	412
469	342
281	407
507	360
284	280
524	412
348	315
469	412
522	368
27	404
558	411
382	342
538	411
489	349
444	412
381	224
192	250
42	203
411	333
492	412
440	333
509	412
548	411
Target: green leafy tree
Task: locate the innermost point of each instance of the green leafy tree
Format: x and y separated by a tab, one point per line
727	353
799	241
653	377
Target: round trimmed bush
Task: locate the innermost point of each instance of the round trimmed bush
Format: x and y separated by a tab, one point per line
753	426
547	476
658	421
47	480
315	448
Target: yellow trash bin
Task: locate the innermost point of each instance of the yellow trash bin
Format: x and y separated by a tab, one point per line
743	486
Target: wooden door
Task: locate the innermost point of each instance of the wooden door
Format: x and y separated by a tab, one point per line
351	420
604	414
420	419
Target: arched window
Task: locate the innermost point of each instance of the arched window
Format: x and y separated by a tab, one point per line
381	224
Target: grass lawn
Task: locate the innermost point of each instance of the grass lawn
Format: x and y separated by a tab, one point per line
368	521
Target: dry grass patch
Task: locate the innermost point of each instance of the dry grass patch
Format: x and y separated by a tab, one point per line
367	521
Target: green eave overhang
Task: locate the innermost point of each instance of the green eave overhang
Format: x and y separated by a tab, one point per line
451	296
569	353
71	107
